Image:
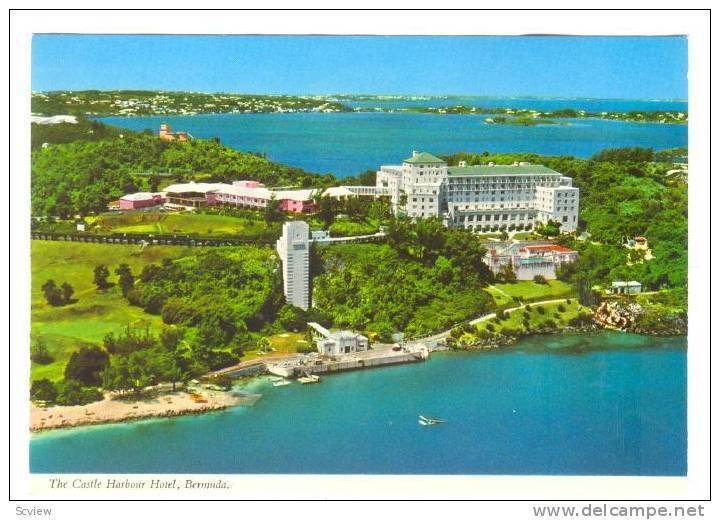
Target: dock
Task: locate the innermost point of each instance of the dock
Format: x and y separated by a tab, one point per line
314	364
291	367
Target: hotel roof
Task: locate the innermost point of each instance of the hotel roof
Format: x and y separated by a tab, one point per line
194	187
502	169
424	158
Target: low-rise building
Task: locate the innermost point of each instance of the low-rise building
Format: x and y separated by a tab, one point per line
333	343
622	287
531	260
192	194
140	200
166	134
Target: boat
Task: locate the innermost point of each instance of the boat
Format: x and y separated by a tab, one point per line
281	383
429	421
309	379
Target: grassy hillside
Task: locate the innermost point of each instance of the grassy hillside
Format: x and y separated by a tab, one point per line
65	329
83	176
184	223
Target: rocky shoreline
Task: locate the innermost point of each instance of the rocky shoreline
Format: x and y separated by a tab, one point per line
499	341
630	316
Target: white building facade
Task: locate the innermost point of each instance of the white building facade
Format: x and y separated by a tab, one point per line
294	250
337	342
481	198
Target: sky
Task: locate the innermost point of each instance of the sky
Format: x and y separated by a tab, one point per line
556	66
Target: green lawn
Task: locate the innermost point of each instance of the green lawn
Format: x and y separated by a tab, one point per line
504	293
537	319
64	329
185	223
283	343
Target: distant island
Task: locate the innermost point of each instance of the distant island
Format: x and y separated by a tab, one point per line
145	103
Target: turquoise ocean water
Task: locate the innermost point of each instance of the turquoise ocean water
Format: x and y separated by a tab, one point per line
605	404
350	143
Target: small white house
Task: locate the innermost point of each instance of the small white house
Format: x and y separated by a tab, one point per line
631	287
338	342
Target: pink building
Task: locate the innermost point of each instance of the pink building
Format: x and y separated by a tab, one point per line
140	200
253	194
530	261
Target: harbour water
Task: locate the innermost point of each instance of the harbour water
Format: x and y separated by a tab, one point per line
602	404
350	143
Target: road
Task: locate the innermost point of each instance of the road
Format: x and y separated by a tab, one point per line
442	335
428	340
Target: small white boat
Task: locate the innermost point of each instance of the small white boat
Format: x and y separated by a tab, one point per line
429	421
309	379
281	383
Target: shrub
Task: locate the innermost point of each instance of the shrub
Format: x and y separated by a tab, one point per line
528	308
40	354
526	315
490	327
538	278
568	301
526	324
549	324
71	393
484	334
305	348
561	308
502	314
43	390
540	309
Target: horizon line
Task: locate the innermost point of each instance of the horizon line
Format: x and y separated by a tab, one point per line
438	95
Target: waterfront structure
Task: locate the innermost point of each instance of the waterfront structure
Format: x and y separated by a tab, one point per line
337	342
294	250
140	200
529	261
621	287
166	134
481	198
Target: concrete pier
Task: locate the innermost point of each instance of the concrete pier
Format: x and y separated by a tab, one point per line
356	361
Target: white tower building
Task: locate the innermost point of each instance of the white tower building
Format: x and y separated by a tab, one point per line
294	250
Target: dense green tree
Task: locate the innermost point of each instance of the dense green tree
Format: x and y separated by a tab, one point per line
126	280
43	390
53	294
67	292
86	365
71	393
100	277
40	354
273	212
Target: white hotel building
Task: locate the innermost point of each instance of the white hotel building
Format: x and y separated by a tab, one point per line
481	198
293	247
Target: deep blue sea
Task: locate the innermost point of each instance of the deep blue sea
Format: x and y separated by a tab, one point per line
350	143
605	404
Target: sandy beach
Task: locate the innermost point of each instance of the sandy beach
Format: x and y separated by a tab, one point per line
112	409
